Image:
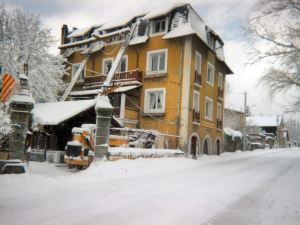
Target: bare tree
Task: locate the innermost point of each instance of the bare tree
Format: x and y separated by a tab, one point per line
274	28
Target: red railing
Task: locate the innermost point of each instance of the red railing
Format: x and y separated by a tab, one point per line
219	124
197	78
220	92
196	116
118	77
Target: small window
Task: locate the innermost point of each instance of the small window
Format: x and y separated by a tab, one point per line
198	61
157	61
220	81
210	74
123	65
196	101
154	100
75	67
208	108
219	113
106	65
159	26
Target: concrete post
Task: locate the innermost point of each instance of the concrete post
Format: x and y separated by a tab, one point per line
20	110
104	111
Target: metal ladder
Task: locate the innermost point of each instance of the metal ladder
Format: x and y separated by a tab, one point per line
118	58
75	77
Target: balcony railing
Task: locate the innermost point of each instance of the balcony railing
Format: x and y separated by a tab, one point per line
132	75
220	92
197	78
196	116
219	124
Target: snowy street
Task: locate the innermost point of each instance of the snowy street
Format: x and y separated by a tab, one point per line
259	187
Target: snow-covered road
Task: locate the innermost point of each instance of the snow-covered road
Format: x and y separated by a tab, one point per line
260	187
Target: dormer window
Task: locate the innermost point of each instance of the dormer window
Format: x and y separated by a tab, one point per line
159	26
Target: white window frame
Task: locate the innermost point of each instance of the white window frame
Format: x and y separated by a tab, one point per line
200	63
219	111
152	24
209	117
149	55
119	66
80	78
194	94
220	80
211	83
147	100
104	61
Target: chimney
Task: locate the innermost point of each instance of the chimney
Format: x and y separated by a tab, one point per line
64	33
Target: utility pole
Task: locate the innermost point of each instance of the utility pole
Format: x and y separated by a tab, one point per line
245	115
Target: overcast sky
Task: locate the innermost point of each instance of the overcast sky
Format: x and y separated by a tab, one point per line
226	17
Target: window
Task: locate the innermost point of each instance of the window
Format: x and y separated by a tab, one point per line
75	68
154	100
196	108
157	61
208	108
158	26
106	65
196	101
219	113
123	65
210	74
198	60
220	81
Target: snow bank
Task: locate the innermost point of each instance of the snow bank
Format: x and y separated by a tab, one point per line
141	152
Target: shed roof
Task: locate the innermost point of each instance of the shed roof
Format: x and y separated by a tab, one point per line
263	121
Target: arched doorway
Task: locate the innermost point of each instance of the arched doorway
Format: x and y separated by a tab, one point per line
194	145
218	147
207	146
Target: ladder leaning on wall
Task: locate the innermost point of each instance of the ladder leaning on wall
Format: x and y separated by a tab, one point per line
112	69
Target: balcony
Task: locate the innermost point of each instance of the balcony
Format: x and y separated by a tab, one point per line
220	93
196	116
219	124
132	75
197	78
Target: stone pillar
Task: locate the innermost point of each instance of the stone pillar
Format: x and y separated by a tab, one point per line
20	110
104	111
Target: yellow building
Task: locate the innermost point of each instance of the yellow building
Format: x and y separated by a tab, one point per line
170	79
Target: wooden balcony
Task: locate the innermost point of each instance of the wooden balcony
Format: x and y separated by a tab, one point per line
132	75
196	116
219	124
197	78
220	93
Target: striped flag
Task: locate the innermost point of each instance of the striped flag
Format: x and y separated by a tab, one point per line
8	85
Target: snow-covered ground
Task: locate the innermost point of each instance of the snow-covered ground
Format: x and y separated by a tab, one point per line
259	187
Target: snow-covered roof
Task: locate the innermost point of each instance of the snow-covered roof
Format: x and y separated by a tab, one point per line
72	44
232	133
263	121
161	11
138	40
53	113
96	91
82	31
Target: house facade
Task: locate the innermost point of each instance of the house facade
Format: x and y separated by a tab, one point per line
170	78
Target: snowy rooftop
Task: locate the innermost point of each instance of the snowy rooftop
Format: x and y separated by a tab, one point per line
53	113
232	133
263	121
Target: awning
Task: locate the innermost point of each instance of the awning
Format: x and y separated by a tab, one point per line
96	91
53	113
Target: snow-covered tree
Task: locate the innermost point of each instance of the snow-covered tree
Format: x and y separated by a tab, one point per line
25	41
275	29
5	128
